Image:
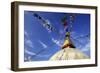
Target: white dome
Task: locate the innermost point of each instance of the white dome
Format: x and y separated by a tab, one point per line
69	54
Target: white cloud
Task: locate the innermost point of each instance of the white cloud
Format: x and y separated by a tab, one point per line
26	34
86	47
27	40
43	45
29	43
28	58
29	52
42	55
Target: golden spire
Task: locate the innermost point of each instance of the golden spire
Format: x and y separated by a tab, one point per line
68	42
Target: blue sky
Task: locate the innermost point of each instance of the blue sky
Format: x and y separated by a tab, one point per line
40	44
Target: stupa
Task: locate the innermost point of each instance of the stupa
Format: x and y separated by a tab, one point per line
68	51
